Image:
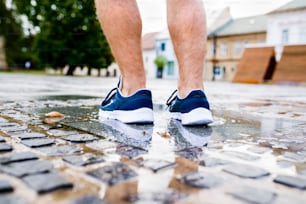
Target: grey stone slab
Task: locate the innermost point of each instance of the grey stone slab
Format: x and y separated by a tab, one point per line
2	120
246	171
200	180
80	138
113	173
303	172
212	161
295	157
259	150
60	150
21	169
44	183
4	147
294	182
11	199
15	129
129	151
83	160
34	143
61	133
90	199
241	155
5	186
30	135
284	163
17	157
2	139
253	195
157	164
8	124
163	196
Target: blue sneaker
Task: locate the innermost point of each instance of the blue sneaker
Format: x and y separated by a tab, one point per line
192	110
137	108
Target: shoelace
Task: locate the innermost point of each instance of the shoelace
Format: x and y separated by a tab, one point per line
109	96
171	98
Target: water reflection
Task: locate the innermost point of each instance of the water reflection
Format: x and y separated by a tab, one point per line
189	140
189	137
133	140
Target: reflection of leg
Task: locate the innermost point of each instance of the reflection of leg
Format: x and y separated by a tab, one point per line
187	26
122	26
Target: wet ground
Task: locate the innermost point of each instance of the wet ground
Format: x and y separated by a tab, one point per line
254	152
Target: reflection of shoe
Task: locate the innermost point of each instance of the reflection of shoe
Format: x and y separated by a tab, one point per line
127	134
137	108
188	137
192	110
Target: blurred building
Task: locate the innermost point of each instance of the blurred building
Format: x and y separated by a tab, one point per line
155	44
2	54
226	45
149	53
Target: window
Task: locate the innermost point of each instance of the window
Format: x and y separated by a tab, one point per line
170	70
238	48
285	36
163	46
303	35
223	50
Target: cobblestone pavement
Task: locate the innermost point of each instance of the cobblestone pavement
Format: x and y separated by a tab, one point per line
254	152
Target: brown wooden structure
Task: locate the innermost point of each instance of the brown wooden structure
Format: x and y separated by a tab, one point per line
292	66
256	65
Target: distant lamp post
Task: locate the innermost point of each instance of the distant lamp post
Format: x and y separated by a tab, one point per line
160	61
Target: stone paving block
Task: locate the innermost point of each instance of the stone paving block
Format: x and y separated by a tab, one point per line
294	182
90	199
200	180
253	195
2	139
83	160
4	147
241	155
15	129
284	163
166	196
30	135
113	173
212	161
157	164
101	145
61	133
8	124
60	150
129	151
34	143
259	150
44	183
17	157
5	186
21	169
11	199
80	138
246	171
295	157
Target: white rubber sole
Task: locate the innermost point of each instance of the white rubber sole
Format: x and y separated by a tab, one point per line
141	115
198	116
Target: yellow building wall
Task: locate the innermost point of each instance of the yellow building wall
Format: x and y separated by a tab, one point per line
229	52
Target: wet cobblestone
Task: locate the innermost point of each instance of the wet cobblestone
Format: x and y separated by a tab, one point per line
252	153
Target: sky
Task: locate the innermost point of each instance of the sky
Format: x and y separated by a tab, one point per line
153	12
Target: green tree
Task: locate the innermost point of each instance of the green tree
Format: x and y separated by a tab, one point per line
160	61
11	30
69	33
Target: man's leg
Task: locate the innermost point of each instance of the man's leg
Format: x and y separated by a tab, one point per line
187	27
121	23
